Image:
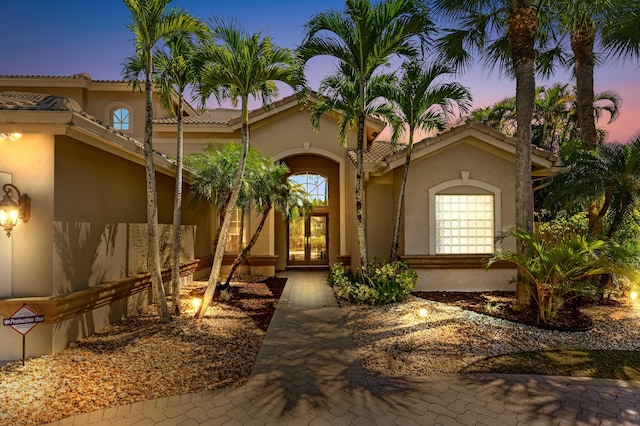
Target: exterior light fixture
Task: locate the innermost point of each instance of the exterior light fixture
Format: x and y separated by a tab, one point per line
423	313
11	136
11	210
634	295
195	302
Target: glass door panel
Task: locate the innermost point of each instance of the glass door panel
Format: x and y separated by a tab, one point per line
318	239
297	240
308	241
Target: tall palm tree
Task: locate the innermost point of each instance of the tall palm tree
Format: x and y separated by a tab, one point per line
177	68
421	104
151	22
339	93
504	33
364	36
582	19
242	65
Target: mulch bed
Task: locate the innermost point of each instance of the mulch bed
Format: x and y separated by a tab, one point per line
256	296
499	304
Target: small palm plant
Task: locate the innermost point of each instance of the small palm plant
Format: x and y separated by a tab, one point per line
559	268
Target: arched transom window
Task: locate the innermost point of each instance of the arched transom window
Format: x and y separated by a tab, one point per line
316	186
120	119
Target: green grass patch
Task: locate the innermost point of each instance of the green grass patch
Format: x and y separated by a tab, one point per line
606	364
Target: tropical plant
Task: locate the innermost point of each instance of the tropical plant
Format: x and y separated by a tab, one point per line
421	103
620	36
150	23
604	182
507	34
583	21
364	36
177	68
557	269
270	190
339	93
554	124
383	283
239	66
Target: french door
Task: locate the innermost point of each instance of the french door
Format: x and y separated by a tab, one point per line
307	241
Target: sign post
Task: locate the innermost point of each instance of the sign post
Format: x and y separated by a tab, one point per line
23	320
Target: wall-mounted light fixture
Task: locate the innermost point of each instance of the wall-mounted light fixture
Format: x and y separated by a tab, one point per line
12	210
11	136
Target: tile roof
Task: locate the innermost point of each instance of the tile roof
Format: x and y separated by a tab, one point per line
380	151
209	116
38	101
377	151
80	76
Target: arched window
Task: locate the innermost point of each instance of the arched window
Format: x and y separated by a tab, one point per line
316	186
120	119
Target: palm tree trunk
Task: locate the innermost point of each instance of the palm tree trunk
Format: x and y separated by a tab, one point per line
399	210
214	276
245	251
523	25
360	207
582	41
153	254
177	211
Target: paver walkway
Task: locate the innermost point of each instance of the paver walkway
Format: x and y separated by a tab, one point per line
307	373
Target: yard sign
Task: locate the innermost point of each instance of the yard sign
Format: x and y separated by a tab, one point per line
23	320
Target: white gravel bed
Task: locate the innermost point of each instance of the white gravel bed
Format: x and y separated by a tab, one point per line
395	341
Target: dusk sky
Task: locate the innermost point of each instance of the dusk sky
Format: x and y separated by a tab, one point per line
65	37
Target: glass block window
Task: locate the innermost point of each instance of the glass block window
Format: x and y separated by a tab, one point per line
464	224
236	237
316	186
120	119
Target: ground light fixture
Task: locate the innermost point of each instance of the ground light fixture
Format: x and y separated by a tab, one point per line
423	314
13	209
195	302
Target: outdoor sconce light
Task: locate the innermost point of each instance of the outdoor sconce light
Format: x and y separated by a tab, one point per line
11	210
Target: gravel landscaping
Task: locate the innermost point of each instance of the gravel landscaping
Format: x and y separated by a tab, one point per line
394	340
140	359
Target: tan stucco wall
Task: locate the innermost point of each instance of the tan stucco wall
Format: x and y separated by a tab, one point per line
446	165
381	214
30	161
464	280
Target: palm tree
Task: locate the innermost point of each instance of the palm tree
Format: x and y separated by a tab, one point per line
339	93
554	119
421	104
270	189
177	68
364	37
581	19
242	65
605	182
560	269
151	22
504	33
620	36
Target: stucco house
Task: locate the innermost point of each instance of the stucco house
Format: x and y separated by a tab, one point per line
79	158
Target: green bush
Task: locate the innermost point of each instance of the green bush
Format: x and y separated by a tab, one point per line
383	283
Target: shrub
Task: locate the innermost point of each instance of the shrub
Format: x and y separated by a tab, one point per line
382	283
559	268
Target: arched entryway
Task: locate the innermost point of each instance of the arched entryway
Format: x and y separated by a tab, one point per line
313	241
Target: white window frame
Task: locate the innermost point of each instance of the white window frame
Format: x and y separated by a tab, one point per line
236	220
306	185
463	181
112	108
